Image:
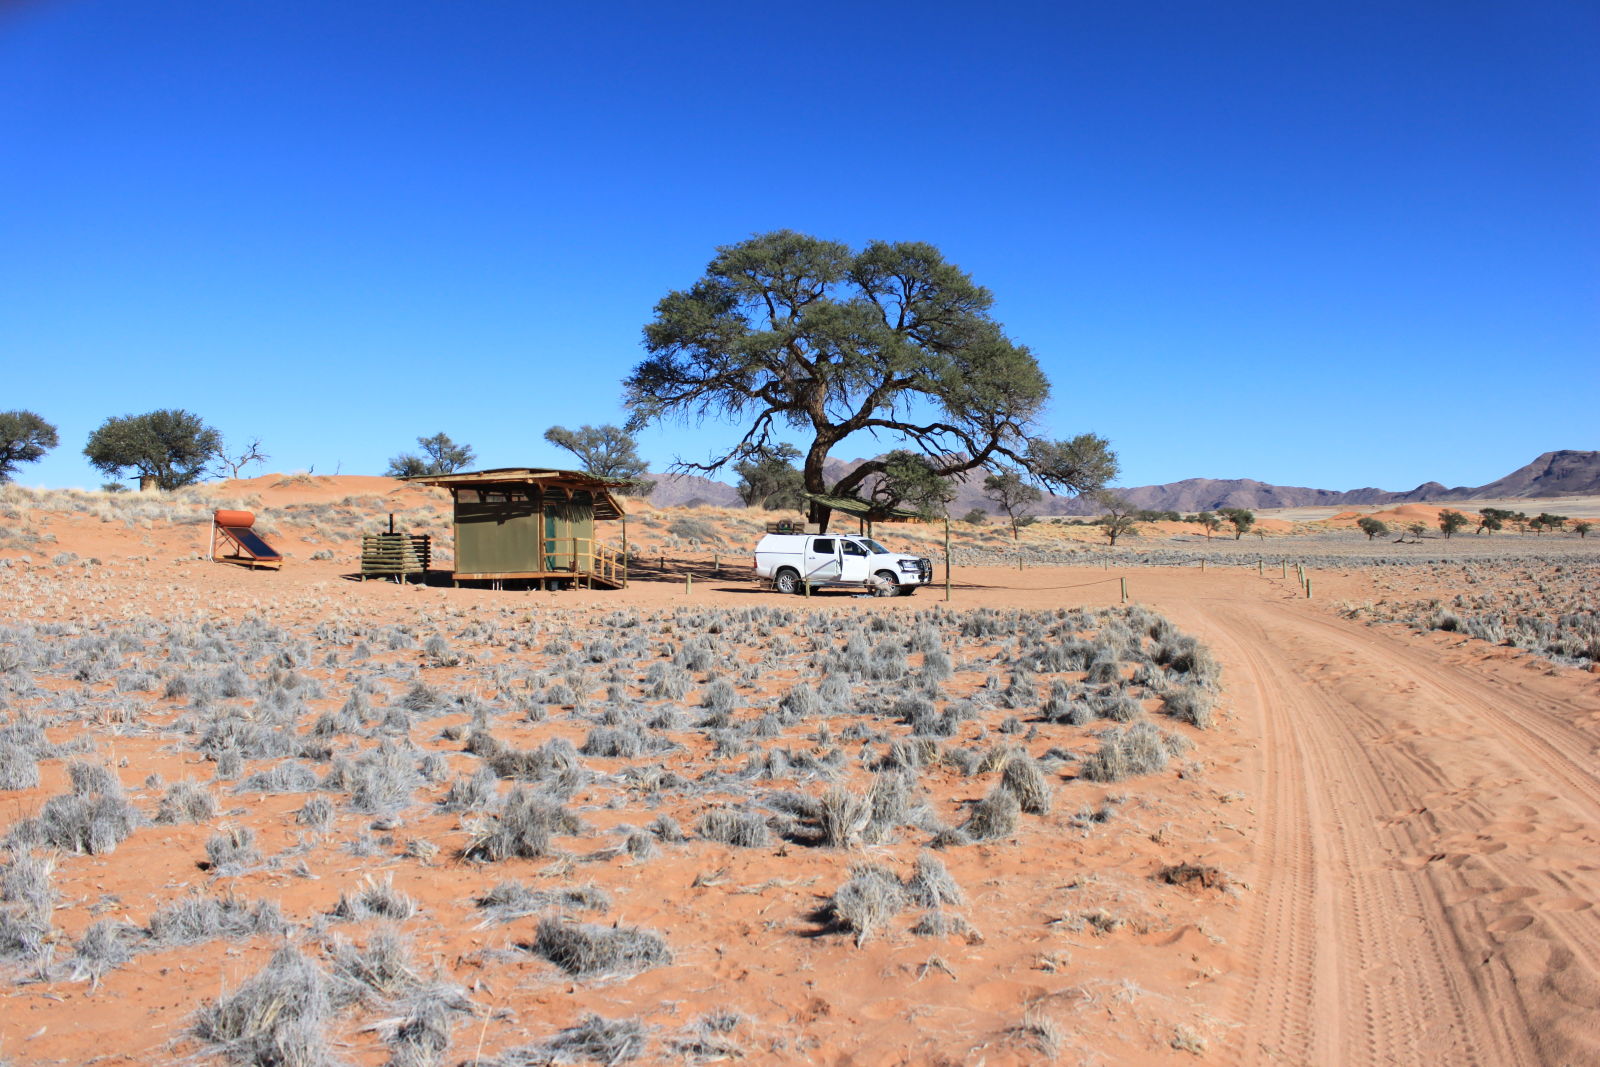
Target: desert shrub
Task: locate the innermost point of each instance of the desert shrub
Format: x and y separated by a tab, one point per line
316	812
742	829
290	776
865	904
470	792
232	850
19	767
421	1032
667	829
1190	704
27	903
1024	780
186	801
104	946
1138	749
522	828
275	1018
375	974
512	900
1116	705
931	885
611	742
193	919
374	898
91	823
380	781
993	816
586	949
842	818
595	1039
801	702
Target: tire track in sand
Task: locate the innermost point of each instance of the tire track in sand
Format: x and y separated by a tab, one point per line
1395	914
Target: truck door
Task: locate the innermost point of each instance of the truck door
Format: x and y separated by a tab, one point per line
852	561
822	560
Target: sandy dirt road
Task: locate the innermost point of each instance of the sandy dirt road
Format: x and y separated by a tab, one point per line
1428	849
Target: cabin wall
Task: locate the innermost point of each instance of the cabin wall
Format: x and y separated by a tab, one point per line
498	532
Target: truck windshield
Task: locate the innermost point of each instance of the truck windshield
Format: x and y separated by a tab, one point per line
874	547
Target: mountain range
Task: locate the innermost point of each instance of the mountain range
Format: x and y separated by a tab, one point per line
1563	473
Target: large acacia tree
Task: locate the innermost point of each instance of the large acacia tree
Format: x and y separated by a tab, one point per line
789	332
172	447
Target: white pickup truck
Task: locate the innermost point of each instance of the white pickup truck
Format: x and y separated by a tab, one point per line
794	561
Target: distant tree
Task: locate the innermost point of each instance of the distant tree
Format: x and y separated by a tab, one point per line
786	330
440	455
1451	521
1582	527
975	517
1116	517
913	482
1492	519
230	465
1416	530
771	480
1210	521
1241	519
1520	520
1373	527
113	487
1014	496
1546	521
607	452
172	446
24	438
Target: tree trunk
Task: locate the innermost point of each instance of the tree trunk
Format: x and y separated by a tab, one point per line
149	483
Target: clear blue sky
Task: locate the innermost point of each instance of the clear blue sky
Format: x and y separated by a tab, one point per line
1332	245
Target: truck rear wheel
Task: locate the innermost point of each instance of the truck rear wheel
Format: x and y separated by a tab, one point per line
787	580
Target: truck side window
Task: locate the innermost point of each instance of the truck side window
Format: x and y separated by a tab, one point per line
852	549
822	546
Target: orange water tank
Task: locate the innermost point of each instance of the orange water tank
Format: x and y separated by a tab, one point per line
236	518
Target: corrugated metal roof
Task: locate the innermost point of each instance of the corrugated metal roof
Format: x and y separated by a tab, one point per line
607	506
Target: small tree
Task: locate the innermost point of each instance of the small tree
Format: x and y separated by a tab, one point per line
912	481
1373	527
1546	521
1492	519
1416	530
1209	521
172	447
975	517
1241	519
606	452
1582	527
770	480
1117	517
1451	521
1014	496
440	455
24	438
230	465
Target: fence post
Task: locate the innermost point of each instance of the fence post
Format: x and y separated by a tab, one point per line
1124	590
1308	588
688	583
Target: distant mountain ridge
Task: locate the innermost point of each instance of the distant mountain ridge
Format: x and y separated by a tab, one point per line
1567	472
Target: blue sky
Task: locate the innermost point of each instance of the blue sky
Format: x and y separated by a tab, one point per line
1333	245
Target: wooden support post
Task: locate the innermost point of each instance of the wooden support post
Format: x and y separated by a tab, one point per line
1261	566
1124	590
1308	588
1202	566
688	583
624	551
716	564
947	558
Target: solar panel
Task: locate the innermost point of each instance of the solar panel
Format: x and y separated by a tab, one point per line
251	542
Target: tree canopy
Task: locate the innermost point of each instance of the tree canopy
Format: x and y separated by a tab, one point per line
24	438
606	452
771	481
1372	527
1013	496
789	332
440	455
1241	519
1451	521
1118	517
172	446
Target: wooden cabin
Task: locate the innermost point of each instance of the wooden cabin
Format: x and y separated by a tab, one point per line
517	523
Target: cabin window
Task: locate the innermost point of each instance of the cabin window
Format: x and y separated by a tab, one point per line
852	549
823	546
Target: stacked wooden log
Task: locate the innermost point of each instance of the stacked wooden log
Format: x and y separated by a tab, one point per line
386	555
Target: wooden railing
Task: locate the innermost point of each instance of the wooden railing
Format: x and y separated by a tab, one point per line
585	555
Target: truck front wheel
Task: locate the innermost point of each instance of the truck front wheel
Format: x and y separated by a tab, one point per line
786	580
884	583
